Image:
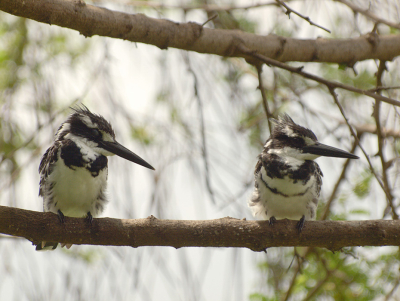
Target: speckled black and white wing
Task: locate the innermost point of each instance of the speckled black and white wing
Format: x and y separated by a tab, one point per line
254	202
46	188
46	167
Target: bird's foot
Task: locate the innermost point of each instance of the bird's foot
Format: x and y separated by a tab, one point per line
89	217
300	224
68	246
61	216
272	220
46	246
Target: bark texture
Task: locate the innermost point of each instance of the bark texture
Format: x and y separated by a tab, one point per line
224	232
91	20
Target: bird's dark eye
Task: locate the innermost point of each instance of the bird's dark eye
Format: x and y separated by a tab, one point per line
96	133
298	140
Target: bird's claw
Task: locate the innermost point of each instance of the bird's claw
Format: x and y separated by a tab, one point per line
61	216
300	224
89	217
272	220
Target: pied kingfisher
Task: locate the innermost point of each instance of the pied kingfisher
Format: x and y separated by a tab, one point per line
73	171
287	180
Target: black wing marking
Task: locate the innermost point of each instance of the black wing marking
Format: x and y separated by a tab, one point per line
47	163
276	168
273	166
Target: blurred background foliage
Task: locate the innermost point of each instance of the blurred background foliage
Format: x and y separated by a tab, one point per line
200	120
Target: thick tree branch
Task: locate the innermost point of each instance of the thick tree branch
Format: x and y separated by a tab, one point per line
90	20
224	232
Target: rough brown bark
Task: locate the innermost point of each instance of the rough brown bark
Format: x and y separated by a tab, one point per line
90	20
224	232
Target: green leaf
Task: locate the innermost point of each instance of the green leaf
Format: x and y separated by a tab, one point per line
363	185
142	134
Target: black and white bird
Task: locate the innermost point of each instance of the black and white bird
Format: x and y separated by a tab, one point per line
73	171
287	180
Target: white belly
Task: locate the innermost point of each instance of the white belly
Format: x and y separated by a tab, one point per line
284	198
76	192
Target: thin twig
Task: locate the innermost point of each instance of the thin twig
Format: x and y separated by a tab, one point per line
368	14
264	97
360	128
92	79
290	10
328	273
210	19
380	88
381	138
353	132
202	132
371	129
292	282
296	272
338	182
299	70
312	292
395	286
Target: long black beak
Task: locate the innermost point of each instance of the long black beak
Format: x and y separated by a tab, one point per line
125	153
327	151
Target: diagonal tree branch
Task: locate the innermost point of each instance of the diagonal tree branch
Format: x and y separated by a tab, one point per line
331	85
381	139
354	134
342	176
264	96
90	20
371	129
224	232
369	14
290	10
